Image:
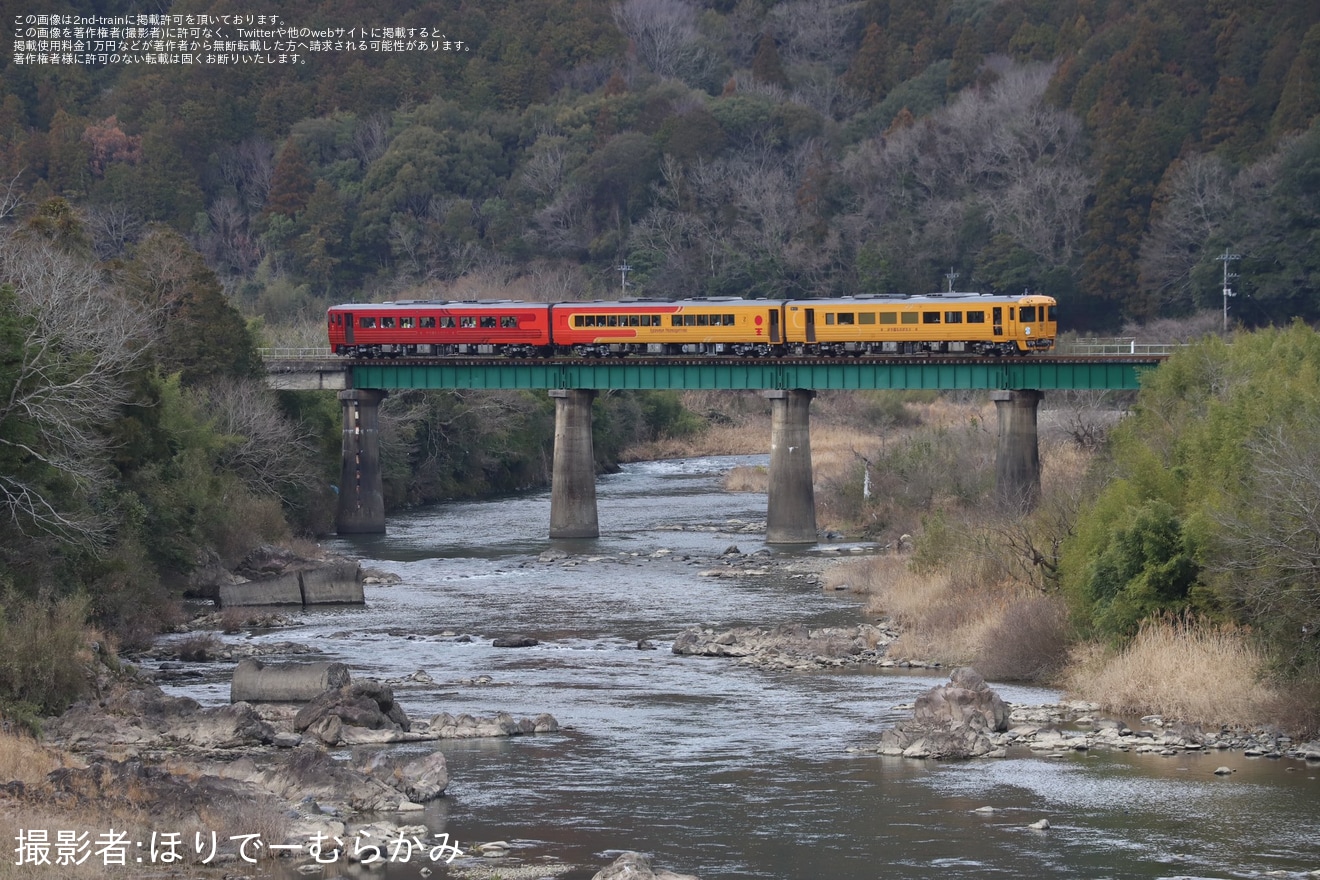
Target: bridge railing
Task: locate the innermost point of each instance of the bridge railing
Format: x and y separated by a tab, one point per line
1115	345
294	354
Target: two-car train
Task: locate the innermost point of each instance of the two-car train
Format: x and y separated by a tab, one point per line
850	326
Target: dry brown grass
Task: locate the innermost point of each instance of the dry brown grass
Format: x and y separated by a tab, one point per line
954	616
1185	670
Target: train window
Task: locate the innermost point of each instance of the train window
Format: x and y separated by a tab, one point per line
387	322
367	322
579	321
1029	313
467	322
847	318
730	320
976	317
1052	311
448	323
889	317
866	317
689	320
612	321
428	321
909	317
930	317
633	320
1010	313
703	320
508	321
829	319
488	322
953	317
407	323
676	321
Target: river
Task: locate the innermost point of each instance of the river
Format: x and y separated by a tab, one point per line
728	772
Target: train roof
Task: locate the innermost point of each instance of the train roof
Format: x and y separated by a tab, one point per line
927	298
441	303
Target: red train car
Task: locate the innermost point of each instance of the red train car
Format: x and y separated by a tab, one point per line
411	328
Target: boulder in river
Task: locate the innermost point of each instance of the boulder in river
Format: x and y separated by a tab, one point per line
366	704
953	720
635	866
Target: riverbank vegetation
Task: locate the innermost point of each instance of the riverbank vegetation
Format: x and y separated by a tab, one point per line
1169	569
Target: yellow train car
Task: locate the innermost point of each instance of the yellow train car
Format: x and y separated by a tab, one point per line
936	323
725	326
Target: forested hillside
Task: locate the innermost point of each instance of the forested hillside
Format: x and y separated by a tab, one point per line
1103	152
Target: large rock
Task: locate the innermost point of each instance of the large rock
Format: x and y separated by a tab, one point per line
255	682
952	720
635	866
790	645
143	716
367	704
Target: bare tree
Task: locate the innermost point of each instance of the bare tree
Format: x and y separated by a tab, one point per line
248	167
63	382
1197	200
112	228
371	138
11	196
665	36
269	453
1268	541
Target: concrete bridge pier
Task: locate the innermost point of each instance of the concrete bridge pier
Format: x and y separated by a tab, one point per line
1017	461
361	495
573	480
791	517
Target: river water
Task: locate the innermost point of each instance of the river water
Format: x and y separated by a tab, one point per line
728	772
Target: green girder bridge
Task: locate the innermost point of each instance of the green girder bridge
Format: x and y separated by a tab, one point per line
1016	386
770	374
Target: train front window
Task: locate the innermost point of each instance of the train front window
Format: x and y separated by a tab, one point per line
1053	310
1029	314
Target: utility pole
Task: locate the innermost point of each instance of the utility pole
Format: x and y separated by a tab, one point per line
1227	258
952	276
624	269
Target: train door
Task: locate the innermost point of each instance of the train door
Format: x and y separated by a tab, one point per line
811	324
774	327
348	327
997	317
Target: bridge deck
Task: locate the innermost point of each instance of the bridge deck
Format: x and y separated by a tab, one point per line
937	373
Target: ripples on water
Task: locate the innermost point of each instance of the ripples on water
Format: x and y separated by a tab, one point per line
728	772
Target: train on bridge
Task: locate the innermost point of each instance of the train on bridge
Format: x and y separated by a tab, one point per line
937	323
